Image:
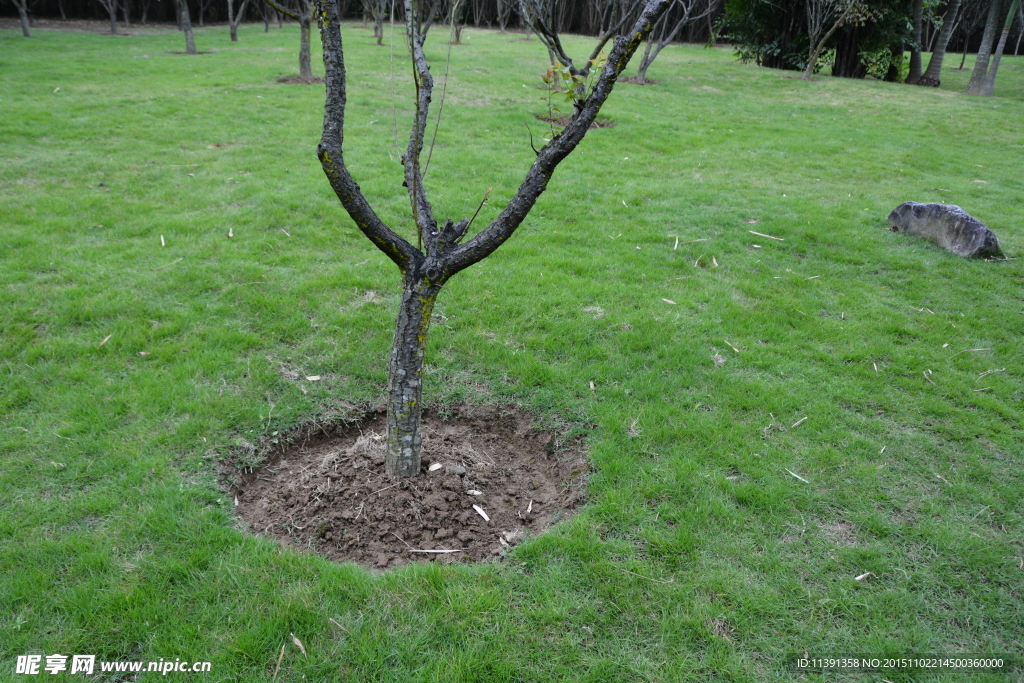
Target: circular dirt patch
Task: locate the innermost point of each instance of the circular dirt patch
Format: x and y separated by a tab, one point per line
325	488
299	79
635	81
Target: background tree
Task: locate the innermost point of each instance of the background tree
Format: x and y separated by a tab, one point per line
111	7
301	13
22	6
917	21
441	254
235	18
377	10
821	13
988	86
186	26
977	81
933	74
682	13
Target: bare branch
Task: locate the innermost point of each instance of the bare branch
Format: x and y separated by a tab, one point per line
422	212
536	181
283	10
405	256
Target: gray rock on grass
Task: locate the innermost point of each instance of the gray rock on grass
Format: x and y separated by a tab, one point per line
946	225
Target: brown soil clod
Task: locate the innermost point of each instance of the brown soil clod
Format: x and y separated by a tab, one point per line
328	491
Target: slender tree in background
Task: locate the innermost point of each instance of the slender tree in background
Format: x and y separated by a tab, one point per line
22	6
917	20
933	74
111	7
989	84
441	254
186	26
378	11
819	14
682	13
503	11
540	15
985	49
302	15
234	19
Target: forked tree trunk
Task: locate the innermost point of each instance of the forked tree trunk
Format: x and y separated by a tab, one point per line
988	87
933	74
186	26
424	272
985	49
405	376
112	10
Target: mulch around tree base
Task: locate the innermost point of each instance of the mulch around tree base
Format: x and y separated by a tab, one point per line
299	79
635	81
328	492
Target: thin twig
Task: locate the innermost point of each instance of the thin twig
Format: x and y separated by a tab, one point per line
761	234
414	550
969	350
482	202
278	667
170	264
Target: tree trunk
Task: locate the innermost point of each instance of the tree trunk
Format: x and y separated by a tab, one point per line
23	13
186	26
126	9
305	70
915	49
892	75
64	16
988	87
112	8
984	50
232	25
405	373
933	75
378	29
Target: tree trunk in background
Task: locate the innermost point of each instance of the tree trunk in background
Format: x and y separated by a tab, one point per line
985	49
933	75
988	87
112	9
22	6
186	26
915	49
405	373
126	9
305	70
63	15
893	74
848	64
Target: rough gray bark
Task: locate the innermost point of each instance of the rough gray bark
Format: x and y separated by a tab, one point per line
441	255
933	74
989	85
985	49
915	49
301	15
22	6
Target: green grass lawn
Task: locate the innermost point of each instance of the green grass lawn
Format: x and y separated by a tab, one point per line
718	539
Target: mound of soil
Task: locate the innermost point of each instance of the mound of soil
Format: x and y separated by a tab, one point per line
299	79
328	492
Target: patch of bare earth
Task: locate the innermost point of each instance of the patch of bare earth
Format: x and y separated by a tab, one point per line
488	480
566	120
293	79
636	81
